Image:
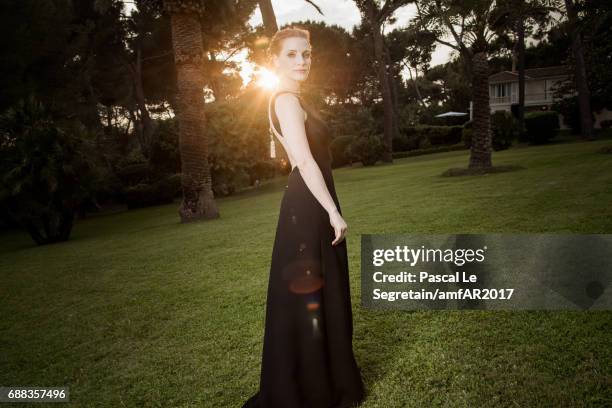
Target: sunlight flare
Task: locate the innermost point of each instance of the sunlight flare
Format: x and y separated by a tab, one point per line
266	78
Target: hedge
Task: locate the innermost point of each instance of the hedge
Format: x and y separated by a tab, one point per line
541	126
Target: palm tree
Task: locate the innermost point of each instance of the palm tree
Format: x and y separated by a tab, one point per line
521	17
466	23
198	198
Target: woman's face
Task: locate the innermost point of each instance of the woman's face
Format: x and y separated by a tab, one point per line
294	59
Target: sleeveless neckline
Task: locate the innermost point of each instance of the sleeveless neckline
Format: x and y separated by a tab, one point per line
275	116
272	111
317	131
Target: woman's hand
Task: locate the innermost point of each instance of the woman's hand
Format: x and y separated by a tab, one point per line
339	226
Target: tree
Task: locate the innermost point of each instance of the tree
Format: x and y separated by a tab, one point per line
446	85
198	198
374	16
520	18
595	27
48	169
412	49
580	76
269	18
466	23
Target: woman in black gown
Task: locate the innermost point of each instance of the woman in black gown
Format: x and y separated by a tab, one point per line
307	359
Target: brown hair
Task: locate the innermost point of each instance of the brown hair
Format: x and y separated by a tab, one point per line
276	43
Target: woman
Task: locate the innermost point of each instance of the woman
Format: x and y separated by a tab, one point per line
307	358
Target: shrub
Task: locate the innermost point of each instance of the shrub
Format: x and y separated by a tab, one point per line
606	124
236	144
568	107
262	170
229	180
165	155
541	126
423	136
134	173
503	130
412	138
49	167
401	143
160	192
338	150
442	135
367	149
466	134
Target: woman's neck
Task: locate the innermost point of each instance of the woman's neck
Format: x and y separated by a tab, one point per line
292	86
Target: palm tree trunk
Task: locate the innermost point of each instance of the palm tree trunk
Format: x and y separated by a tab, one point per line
198	198
480	153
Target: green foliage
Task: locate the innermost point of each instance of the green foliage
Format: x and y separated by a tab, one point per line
134	173
354	120
466	134
568	108
350	123
148	194
165	156
141	183
262	170
504	129
338	149
595	20
423	136
402	143
366	149
238	144
48	170
541	126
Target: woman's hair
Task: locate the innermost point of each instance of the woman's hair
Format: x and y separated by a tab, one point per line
276	43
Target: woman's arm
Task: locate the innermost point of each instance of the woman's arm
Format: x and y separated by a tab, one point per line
291	118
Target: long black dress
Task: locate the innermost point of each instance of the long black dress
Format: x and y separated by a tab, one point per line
307	359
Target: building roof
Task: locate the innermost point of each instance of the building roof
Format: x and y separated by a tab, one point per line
532	73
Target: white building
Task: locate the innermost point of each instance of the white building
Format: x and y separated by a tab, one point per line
540	84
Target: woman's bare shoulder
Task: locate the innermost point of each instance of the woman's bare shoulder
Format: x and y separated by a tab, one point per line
288	102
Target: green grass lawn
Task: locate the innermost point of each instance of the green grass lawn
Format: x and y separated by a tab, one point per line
137	310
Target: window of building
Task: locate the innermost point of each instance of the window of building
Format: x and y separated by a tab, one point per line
500	90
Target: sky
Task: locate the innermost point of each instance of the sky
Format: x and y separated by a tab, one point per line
343	13
340	12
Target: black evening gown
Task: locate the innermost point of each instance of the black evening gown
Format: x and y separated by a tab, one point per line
307	359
